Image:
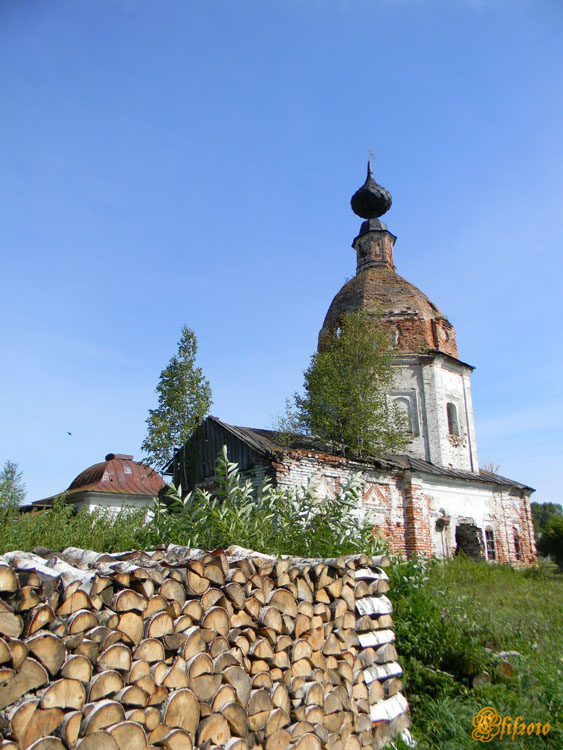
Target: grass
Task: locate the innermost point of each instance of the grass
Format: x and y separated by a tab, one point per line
451	621
60	527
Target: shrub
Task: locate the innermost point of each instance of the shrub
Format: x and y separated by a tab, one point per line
270	520
61	526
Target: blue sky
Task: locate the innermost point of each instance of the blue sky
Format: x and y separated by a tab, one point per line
172	161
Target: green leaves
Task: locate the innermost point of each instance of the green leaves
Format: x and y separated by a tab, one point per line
271	520
61	526
184	399
345	401
12	488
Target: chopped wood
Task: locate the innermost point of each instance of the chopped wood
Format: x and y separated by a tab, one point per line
49	649
128	735
30	676
103	714
40	724
104	684
47	743
8	579
82	620
69	727
150	650
117	656
195	649
158	625
18	652
182	710
11	624
236	717
64	693
177	739
215	729
216	619
98	741
131	624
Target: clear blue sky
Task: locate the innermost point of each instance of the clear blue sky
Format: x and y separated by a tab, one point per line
171	161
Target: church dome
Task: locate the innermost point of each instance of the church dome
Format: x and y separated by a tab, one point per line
415	323
119	474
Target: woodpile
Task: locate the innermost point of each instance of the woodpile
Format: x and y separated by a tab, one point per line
180	648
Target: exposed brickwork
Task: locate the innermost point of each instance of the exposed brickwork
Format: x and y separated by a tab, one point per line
416	512
417	518
514	519
416	324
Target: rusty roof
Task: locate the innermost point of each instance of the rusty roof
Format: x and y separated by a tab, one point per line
120	474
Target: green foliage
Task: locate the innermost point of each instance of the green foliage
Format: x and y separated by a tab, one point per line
542	513
12	488
346	385
451	620
551	540
271	521
184	399
60	526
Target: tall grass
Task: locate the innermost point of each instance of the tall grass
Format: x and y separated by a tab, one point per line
451	621
60	527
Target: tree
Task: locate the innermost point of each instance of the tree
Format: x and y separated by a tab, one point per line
542	513
12	488
184	399
551	540
346	390
490	465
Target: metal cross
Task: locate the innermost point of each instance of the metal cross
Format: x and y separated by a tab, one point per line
371	154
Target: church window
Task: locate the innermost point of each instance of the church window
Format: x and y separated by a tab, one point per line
517	552
404	407
453	425
490	540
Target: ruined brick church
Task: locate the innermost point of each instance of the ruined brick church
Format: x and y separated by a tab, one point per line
434	499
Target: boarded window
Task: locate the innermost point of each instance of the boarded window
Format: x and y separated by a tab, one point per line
453	424
490	540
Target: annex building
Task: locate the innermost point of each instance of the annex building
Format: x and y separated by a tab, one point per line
434	499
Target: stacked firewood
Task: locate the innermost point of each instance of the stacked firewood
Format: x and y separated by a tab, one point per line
180	648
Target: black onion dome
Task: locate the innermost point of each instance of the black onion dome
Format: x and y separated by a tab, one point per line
371	200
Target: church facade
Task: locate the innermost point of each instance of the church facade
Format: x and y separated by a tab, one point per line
434	499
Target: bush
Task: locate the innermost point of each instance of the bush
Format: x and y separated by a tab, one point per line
271	521
551	540
61	526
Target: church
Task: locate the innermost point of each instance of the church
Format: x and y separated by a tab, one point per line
434	499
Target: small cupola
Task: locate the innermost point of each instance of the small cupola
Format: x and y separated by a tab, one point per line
374	243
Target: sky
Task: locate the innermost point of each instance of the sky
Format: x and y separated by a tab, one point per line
171	162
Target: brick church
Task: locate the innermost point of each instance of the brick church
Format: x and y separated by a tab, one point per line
434	499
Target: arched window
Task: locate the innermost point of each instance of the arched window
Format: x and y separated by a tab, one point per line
517	552
490	540
404	407
453	424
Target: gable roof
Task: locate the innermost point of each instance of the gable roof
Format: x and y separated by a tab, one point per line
269	444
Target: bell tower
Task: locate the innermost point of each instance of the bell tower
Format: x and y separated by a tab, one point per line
432	385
